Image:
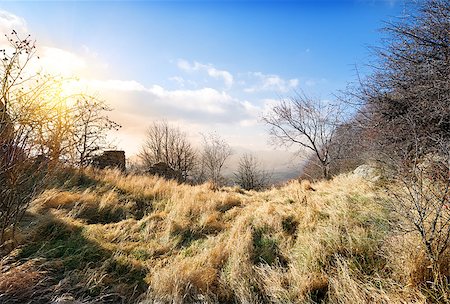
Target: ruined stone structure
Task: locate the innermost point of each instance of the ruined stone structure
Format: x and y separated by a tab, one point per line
110	159
164	170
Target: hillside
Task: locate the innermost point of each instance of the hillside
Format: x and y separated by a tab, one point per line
103	237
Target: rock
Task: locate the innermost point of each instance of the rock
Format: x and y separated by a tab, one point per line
367	172
66	299
111	159
164	170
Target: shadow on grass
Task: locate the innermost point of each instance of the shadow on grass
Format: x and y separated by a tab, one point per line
74	266
69	178
106	215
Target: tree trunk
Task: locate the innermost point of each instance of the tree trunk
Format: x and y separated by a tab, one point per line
326	171
6	125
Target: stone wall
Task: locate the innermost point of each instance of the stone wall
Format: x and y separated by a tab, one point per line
111	159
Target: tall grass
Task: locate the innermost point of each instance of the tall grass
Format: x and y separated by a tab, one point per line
144	239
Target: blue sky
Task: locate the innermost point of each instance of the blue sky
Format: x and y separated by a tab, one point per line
204	65
311	39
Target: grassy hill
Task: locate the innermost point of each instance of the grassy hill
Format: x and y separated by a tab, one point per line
105	237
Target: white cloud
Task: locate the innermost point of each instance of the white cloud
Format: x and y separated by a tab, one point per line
61	62
226	76
136	105
52	60
268	105
204	104
251	108
271	82
184	65
206	100
248	122
182	82
177	79
114	85
10	22
293	83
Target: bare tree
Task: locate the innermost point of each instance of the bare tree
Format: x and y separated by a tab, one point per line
249	175
306	123
37	122
20	177
91	125
352	146
411	79
71	128
168	144
53	135
12	68
215	152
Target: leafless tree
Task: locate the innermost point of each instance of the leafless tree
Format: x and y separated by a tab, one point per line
165	143
91	125
352	146
53	135
20	177
215	152
411	79
37	123
198	175
250	175
70	128
14	62
306	123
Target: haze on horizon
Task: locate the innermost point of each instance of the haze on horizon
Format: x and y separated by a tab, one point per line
203	66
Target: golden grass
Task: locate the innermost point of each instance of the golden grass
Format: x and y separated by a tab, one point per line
299	243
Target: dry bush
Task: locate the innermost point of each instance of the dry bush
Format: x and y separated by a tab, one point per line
20	181
229	201
409	265
347	285
184	281
250	175
419	195
19	282
406	97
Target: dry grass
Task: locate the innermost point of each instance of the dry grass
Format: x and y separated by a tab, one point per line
139	238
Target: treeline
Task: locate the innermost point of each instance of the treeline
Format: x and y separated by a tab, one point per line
168	145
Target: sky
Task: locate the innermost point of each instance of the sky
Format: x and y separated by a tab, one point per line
204	66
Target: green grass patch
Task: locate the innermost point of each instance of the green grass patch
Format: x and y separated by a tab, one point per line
265	248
